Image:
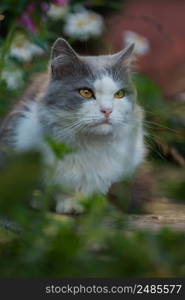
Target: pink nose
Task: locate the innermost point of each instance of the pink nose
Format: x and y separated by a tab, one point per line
106	111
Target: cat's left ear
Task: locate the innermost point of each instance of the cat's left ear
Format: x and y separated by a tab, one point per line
125	57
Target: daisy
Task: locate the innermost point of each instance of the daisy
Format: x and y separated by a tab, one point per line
23	49
83	25
142	45
13	78
57	12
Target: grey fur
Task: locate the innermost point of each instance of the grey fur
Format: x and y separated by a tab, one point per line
70	72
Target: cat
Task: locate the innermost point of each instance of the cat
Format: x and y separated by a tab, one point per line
90	104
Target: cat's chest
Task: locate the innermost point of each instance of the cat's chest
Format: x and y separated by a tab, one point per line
96	168
108	160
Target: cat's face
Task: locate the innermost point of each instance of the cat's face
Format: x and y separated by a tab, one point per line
90	95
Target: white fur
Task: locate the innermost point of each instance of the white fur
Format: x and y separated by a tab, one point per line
100	164
106	154
29	131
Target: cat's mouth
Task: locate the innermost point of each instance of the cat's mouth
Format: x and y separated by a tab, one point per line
104	121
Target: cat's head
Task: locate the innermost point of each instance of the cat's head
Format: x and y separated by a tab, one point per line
90	94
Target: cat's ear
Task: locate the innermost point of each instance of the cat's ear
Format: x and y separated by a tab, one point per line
63	57
125	57
62	48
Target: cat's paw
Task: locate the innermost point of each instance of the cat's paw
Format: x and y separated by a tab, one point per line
69	206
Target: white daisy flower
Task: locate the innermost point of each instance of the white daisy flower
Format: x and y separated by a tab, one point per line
142	44
57	12
21	53
23	49
35	49
13	78
83	25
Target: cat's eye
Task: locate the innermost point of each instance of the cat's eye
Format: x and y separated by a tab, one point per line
86	93
120	94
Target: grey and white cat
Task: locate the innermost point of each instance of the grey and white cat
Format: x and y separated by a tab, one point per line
88	103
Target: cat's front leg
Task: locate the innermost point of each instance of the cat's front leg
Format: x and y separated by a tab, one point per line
69	205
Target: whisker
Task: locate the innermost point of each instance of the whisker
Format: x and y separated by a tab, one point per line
159	125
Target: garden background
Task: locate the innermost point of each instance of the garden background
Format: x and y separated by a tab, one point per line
139	228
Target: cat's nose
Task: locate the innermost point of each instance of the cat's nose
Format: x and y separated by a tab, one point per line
106	111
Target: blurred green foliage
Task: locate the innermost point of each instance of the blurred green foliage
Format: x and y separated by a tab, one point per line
58	149
96	244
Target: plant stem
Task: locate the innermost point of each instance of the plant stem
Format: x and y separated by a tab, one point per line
6	46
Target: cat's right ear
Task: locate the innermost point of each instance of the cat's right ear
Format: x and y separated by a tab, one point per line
62	55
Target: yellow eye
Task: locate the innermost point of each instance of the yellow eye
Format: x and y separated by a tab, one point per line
119	94
86	93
